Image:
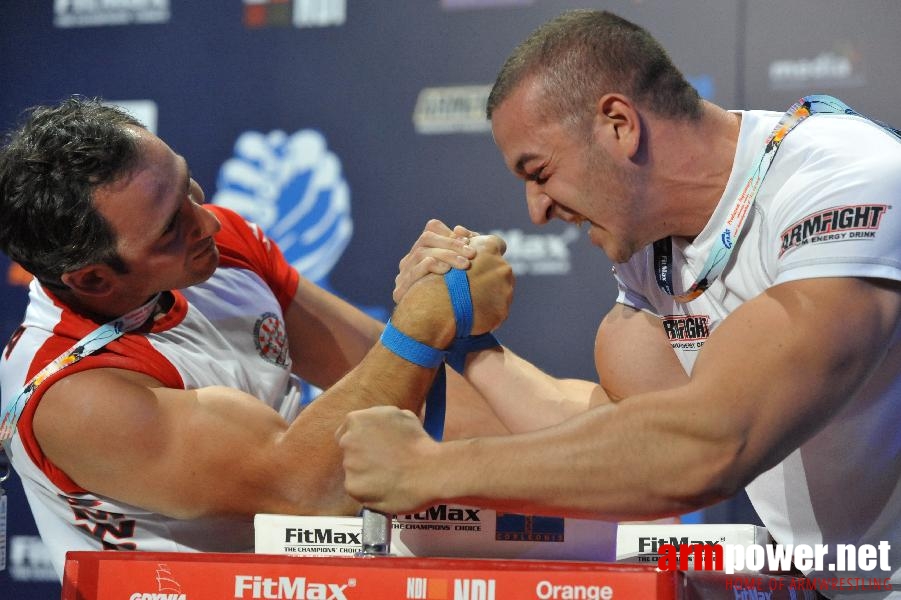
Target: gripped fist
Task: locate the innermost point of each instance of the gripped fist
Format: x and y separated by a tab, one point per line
386	459
424	311
437	250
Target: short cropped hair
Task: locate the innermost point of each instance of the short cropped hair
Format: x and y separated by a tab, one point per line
583	54
49	170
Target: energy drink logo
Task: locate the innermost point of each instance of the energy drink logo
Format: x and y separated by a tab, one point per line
513	527
299	13
836	224
686	332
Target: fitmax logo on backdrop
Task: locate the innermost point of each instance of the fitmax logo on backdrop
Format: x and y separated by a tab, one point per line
95	13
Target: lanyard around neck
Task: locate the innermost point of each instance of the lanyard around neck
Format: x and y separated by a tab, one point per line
725	243
89	344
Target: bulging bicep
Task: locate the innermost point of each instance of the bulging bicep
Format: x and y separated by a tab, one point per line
633	355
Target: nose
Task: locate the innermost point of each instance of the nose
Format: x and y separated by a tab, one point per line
540	204
206	222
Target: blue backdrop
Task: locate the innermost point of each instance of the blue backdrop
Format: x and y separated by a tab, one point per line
343	125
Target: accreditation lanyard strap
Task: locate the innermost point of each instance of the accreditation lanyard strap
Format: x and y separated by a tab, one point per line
87	345
737	217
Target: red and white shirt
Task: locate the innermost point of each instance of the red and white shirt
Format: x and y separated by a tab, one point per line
228	331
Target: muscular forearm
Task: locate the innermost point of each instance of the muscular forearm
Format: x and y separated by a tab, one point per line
524	397
381	379
633	460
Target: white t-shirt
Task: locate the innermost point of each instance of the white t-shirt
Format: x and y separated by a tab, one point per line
825	209
228	330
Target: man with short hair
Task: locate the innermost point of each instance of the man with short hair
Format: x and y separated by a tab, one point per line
755	340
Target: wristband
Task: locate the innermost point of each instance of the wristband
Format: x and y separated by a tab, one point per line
409	349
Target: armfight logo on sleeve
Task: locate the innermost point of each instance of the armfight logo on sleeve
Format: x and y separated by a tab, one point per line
836	224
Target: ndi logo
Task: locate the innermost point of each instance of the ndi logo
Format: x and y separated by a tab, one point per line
299	13
474	589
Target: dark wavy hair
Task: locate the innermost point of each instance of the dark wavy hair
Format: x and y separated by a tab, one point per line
583	54
49	170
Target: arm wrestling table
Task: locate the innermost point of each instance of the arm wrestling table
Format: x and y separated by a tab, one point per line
191	576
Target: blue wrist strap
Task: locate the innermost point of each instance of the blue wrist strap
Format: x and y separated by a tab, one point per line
409	349
426	356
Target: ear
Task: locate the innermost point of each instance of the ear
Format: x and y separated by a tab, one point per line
92	280
617	120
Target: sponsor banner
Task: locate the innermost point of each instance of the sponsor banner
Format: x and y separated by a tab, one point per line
841	67
542	253
453	109
365	579
443	530
99	13
641	543
471	4
297	13
29	560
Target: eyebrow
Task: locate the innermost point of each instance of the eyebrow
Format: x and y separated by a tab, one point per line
520	167
177	210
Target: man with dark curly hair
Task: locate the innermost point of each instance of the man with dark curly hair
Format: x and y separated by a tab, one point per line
147	398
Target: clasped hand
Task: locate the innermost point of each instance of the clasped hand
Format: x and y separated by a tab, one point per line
439	248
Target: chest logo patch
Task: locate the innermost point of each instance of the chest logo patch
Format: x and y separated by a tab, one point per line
686	332
271	339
